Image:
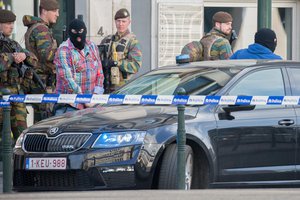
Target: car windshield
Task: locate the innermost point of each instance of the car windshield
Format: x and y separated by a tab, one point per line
195	81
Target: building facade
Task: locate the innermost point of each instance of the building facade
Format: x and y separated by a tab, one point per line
164	26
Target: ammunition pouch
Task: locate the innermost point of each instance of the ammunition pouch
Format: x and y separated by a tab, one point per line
115	75
3	76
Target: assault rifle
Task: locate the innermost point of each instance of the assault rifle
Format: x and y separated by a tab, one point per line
107	63
9	46
106	68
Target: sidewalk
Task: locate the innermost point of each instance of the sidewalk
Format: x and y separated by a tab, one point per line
210	194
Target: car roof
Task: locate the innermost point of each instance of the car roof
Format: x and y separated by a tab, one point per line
240	64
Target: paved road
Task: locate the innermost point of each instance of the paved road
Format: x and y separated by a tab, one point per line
212	194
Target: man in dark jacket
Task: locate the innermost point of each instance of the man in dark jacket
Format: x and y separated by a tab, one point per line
263	48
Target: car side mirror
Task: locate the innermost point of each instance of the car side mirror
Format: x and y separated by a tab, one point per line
233	108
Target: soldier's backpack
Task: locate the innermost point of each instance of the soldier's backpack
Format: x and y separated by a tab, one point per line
200	50
27	38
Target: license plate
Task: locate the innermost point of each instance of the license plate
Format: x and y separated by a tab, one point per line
46	163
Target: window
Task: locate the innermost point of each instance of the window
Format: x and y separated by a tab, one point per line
205	81
260	83
295	80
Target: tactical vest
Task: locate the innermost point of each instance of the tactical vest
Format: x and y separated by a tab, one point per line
119	46
207	41
11	76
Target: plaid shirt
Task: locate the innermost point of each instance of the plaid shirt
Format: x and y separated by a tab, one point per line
78	72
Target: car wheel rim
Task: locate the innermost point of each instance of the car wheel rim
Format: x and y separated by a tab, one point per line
189	172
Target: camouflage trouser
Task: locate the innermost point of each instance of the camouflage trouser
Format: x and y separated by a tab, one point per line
44	110
18	117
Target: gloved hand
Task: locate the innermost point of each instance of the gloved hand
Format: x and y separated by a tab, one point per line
233	36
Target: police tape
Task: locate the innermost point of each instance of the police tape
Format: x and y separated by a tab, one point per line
116	99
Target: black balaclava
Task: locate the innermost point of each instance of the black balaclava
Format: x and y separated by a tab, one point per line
78	39
267	38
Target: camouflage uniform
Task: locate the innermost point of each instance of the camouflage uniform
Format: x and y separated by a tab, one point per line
40	41
216	46
194	50
10	79
129	54
213	46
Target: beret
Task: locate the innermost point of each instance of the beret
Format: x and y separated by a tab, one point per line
122	13
7	16
222	17
49	4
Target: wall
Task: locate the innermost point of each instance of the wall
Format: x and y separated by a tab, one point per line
98	15
141	26
297	28
21	8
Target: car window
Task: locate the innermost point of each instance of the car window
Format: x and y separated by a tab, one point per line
203	81
294	73
163	84
267	82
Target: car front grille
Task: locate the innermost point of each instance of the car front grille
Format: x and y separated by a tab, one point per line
62	143
55	180
42	180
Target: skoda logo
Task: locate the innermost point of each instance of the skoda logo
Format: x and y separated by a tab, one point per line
53	130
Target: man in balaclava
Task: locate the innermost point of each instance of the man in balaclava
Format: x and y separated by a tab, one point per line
77	33
78	67
265	44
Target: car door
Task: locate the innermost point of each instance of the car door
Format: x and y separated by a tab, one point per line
258	144
294	74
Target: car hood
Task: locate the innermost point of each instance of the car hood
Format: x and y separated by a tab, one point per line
113	118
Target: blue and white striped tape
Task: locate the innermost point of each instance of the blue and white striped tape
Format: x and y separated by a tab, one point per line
151	99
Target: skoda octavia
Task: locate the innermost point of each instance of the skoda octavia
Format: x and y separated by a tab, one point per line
134	146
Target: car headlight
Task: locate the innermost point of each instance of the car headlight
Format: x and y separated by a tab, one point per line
117	139
19	141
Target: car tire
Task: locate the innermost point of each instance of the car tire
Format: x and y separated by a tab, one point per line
168	171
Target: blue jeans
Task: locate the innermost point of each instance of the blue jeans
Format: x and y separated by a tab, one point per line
63	110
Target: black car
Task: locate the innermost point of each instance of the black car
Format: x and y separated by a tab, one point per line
134	146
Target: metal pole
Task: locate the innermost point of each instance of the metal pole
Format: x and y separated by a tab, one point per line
181	140
264	14
6	147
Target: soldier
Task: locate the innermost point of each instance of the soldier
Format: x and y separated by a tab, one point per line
12	56
121	53
215	44
40	41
